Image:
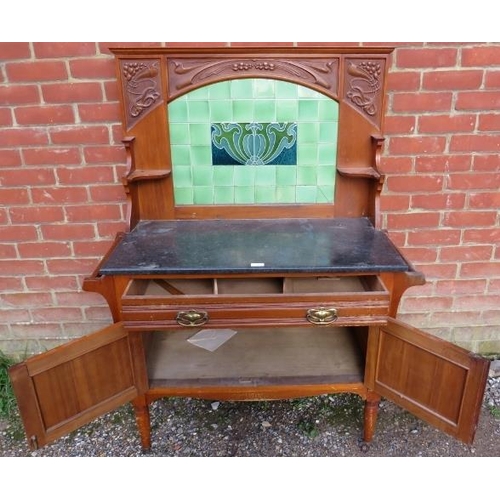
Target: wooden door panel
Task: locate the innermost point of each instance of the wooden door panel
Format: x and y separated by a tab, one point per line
67	387
437	381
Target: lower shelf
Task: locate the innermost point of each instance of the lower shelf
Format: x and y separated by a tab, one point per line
257	357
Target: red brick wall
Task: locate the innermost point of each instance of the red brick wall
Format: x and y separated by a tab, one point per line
442	196
61	200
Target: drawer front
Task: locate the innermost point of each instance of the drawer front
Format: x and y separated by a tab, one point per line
218	315
242	302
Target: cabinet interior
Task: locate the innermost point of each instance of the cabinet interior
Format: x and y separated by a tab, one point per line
258	357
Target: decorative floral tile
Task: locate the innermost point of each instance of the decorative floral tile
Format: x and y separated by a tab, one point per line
254	143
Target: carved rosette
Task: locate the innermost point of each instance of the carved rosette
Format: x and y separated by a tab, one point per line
141	88
321	74
363	84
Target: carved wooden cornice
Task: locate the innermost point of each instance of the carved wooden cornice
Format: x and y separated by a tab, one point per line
321	74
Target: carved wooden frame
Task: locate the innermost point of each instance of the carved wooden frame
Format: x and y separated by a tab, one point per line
149	78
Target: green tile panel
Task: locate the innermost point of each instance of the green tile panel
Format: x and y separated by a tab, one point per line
197	181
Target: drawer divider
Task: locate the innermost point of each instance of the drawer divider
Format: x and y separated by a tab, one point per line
168	287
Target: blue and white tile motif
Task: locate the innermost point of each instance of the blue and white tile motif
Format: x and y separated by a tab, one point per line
254	143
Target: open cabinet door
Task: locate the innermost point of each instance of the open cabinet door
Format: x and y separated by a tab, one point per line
69	386
435	380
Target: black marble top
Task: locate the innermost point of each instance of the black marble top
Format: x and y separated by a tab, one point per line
254	246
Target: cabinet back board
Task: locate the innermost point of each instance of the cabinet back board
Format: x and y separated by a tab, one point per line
277	132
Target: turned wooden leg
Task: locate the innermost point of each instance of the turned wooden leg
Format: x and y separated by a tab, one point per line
371	412
141	409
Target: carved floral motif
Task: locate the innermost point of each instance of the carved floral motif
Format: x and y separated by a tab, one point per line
141	82
245	66
320	73
364	86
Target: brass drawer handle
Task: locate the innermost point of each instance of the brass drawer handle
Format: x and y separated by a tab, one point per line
191	318
322	315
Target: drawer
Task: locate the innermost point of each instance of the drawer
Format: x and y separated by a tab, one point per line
274	301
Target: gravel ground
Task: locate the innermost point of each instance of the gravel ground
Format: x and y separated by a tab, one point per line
318	431
325	426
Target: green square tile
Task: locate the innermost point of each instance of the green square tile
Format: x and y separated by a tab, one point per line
203	176
286	175
177	111
198	111
221	90
223	195
244	175
200	134
285	90
265	194
328	132
308	110
264	111
203	195
287	110
244	195
242	89
307	132
327	154
324	194
181	154
265	175
306	194
285	194
221	111
328	110
224	175
183	195
182	176
306	176
198	94
179	133
307	93
201	155
243	110
326	175
263	88
307	154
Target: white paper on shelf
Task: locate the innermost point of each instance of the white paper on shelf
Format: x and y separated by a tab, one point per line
211	339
